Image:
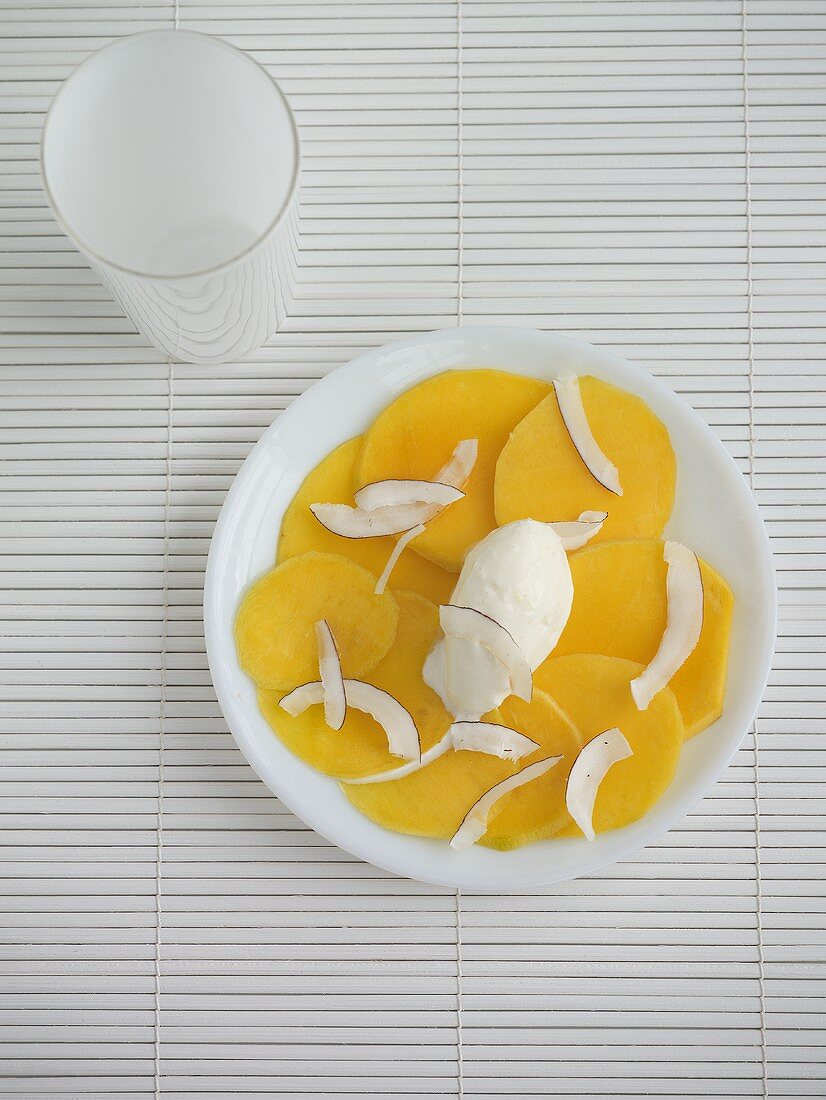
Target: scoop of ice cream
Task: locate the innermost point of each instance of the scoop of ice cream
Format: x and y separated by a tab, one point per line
518	575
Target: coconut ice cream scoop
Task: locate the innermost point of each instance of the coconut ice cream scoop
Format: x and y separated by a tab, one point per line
519	577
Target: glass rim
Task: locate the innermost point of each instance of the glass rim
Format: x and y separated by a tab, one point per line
259	241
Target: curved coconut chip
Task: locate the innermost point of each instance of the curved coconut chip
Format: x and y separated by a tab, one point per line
588	772
575	419
575	533
493	739
332	681
460	465
358	523
394	719
445	744
398	491
684	594
475	822
296	701
468	624
395	554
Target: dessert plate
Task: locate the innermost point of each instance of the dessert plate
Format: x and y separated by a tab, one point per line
714	513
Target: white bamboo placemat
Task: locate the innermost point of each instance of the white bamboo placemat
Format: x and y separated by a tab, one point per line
645	174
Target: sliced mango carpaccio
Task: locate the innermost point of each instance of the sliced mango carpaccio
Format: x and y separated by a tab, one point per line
332	482
620	610
275	627
531	463
594	691
359	748
541	475
415	436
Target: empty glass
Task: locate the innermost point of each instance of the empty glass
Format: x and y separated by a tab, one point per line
171	159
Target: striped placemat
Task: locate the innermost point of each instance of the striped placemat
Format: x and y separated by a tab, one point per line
644	174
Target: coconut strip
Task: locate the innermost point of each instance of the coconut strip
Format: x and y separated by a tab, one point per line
332	681
398	491
395	554
684	622
358	523
589	770
475	822
445	744
394	719
493	739
460	465
573	414
575	533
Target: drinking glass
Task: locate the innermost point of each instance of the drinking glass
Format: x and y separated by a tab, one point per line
171	160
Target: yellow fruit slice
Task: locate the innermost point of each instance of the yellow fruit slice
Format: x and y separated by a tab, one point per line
540	474
537	810
360	747
620	610
415	436
594	692
332	482
275	626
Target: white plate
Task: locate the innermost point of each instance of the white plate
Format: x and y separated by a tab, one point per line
714	513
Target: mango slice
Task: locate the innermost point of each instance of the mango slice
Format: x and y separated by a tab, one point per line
537	810
620	610
540	474
594	691
275	625
332	482
360	747
415	436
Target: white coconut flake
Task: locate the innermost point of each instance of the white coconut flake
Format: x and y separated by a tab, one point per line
684	622
398	491
395	554
589	770
475	822
305	695
460	465
569	398
575	533
394	719
468	624
332	681
444	745
493	739
358	523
